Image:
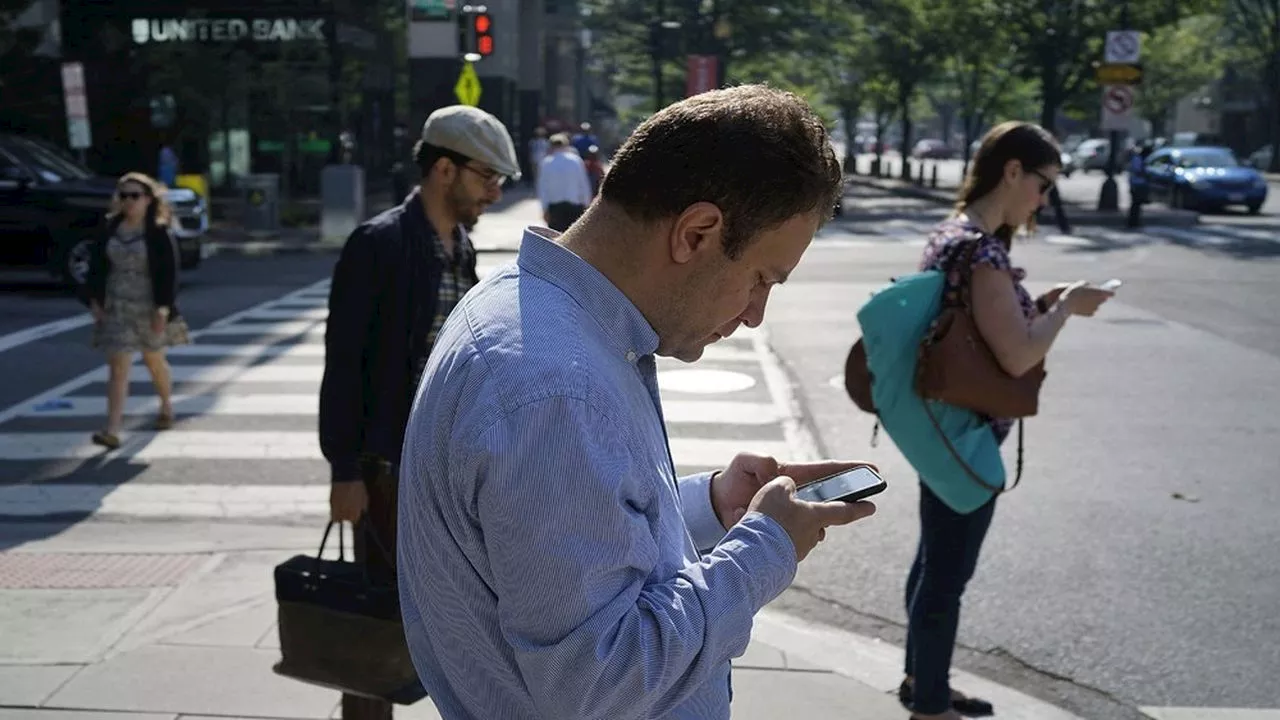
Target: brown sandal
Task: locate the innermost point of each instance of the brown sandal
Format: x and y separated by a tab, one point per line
164	421
106	440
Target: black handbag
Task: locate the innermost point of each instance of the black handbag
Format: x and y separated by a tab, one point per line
340	630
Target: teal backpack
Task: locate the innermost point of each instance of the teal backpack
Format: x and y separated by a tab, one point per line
954	449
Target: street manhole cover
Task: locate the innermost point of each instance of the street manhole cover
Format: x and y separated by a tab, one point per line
21	570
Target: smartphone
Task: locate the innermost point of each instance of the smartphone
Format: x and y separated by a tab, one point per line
1112	285
848	486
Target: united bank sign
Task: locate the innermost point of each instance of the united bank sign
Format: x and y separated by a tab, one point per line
274	30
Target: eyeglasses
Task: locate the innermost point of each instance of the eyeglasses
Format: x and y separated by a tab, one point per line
491	178
130	195
1045	183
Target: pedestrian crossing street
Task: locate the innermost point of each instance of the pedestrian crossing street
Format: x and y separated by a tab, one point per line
914	233
245	441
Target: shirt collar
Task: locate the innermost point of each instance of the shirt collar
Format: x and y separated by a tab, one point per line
620	320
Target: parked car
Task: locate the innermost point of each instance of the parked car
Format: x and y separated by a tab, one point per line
1092	154
931	149
1204	178
51	207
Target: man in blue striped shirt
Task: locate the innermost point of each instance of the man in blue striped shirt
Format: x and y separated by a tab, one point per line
551	563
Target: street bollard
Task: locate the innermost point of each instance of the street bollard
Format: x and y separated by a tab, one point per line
933	181
920	174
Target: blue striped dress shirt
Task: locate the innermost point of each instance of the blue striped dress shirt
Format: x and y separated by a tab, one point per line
551	565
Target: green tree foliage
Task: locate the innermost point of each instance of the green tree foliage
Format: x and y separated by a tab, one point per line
1178	59
1255	27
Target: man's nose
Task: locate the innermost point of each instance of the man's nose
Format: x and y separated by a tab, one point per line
754	314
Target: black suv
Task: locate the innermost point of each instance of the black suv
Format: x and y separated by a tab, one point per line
51	207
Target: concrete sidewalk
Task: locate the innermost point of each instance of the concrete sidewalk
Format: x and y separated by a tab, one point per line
156	620
499	230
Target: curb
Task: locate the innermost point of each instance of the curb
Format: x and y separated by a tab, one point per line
878	664
1082	217
870	661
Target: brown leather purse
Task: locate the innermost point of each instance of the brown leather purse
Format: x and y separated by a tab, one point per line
956	366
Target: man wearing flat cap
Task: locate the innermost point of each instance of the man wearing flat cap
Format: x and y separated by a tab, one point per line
399	276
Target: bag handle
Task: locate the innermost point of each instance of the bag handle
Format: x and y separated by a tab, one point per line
968	470
342	551
365	525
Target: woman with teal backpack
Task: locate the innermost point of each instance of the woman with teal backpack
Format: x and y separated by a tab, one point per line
1008	181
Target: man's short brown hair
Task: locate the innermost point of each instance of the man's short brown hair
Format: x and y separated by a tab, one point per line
759	154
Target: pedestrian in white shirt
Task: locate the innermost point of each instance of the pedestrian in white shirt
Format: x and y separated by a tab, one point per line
563	186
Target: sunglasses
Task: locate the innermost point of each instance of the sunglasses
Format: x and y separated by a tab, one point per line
1045	183
130	195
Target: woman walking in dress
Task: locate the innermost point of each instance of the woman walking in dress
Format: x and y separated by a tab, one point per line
132	284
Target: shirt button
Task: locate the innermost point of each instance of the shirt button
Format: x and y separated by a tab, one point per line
631	356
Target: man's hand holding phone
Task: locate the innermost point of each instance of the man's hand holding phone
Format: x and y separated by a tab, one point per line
805	522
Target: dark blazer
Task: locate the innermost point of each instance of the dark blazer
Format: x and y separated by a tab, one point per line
162	264
381	304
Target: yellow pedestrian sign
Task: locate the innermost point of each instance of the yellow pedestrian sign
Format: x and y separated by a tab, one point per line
468	87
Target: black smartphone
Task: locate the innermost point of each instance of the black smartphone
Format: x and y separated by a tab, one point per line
848	486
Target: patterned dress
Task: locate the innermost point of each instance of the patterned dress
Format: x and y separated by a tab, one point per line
949	238
129	306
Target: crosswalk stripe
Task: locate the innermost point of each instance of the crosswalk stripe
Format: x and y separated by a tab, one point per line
232	502
310	350
318	313
227	373
1192	237
676	411
274	328
291	445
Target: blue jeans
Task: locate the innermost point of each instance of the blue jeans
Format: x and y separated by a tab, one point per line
945	560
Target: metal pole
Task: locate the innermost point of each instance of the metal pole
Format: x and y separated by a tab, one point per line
1109	199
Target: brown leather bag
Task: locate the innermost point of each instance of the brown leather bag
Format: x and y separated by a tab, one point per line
857	378
956	366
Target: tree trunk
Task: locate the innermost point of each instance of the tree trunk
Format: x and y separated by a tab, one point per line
1050	92
905	92
849	113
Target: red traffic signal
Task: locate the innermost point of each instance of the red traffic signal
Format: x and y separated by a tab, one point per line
483	25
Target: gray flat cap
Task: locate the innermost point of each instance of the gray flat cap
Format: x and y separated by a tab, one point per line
474	133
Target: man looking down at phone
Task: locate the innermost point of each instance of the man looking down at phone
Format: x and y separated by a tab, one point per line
553	564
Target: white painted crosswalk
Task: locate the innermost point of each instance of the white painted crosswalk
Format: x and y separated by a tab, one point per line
908	232
246	398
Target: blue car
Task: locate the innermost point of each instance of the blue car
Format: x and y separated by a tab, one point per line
1204	178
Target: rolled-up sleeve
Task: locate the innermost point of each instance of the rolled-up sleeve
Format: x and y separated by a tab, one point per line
596	628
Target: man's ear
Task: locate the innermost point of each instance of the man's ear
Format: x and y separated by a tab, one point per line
699	229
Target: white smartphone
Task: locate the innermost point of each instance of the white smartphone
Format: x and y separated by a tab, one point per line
848	486
1112	285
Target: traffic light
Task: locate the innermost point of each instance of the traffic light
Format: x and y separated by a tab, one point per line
482	25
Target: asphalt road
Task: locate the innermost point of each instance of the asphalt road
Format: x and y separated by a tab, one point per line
1135	566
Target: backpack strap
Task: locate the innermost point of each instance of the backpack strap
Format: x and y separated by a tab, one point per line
968	470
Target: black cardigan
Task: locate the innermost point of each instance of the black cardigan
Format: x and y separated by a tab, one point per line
381	306
162	265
